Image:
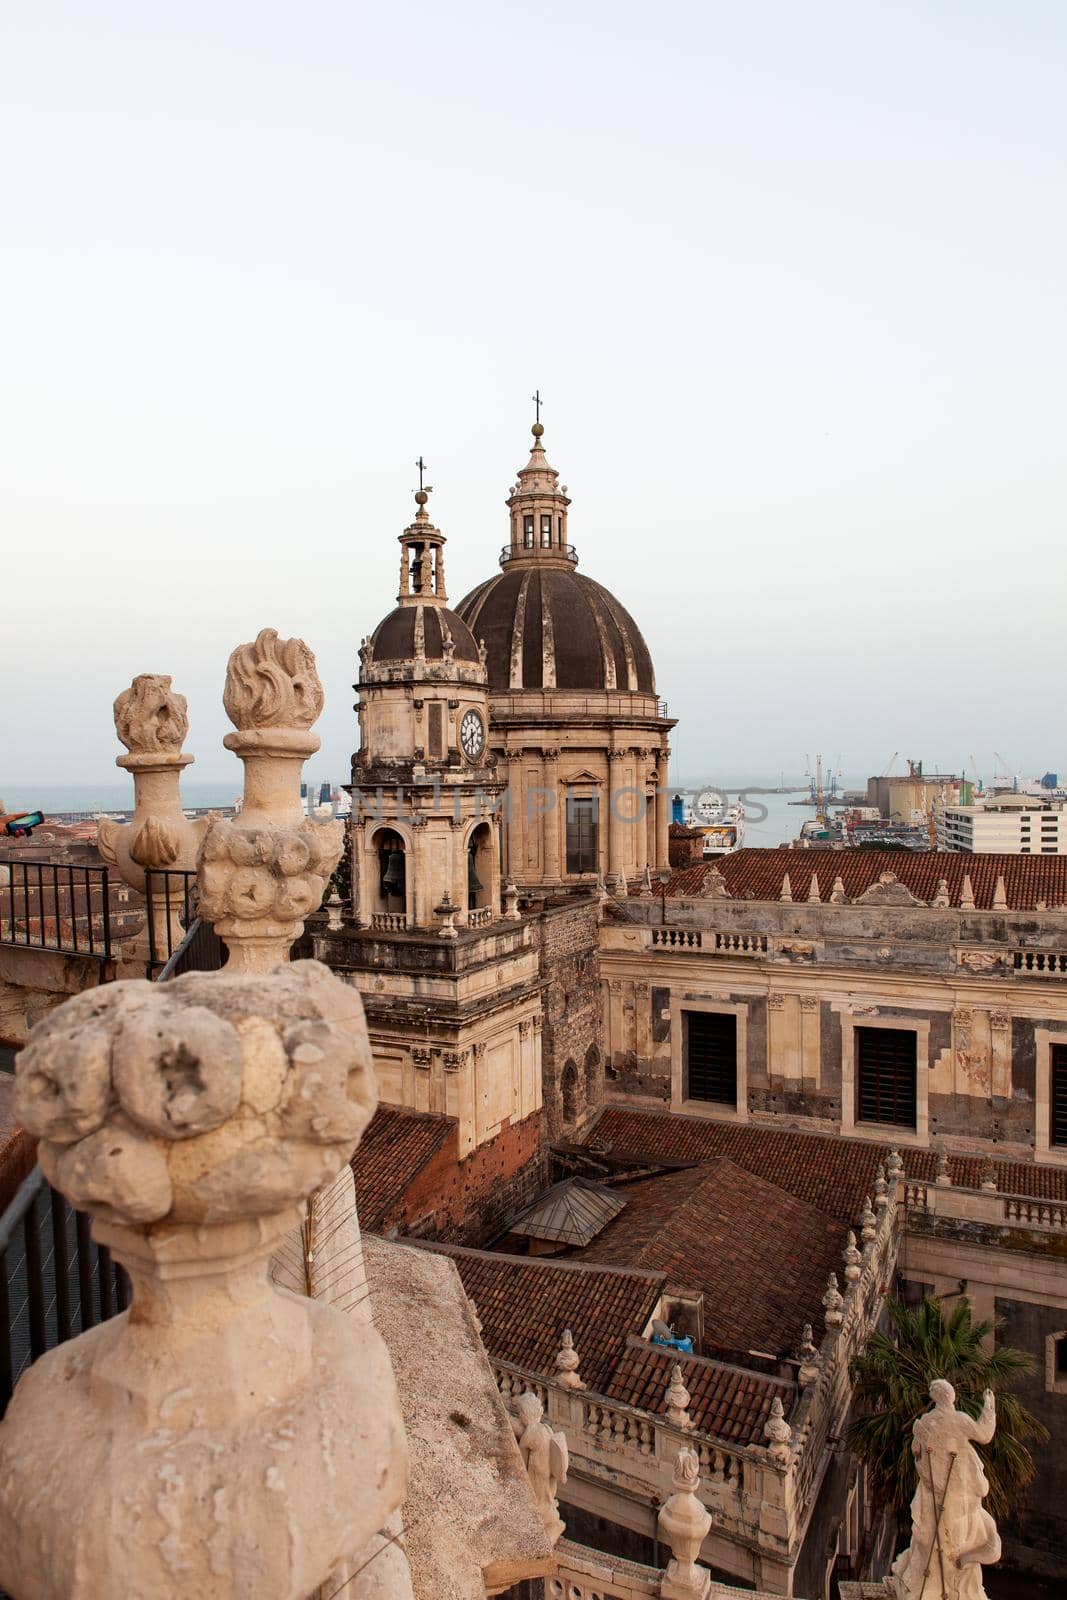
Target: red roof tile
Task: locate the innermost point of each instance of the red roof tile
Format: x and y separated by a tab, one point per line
724	1400
393	1151
525	1304
759	1255
757	874
831	1173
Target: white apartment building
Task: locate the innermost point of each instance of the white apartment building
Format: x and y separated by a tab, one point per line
1014	824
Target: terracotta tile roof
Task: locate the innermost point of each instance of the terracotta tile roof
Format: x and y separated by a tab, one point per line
724	1400
831	1173
525	1304
757	874
393	1151
759	1255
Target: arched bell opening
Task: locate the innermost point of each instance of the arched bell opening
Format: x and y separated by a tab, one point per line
480	868
391	877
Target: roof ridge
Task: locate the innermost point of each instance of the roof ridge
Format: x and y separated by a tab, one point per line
553	1263
705	1362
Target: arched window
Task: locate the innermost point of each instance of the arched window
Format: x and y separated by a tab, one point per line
392	870
480	867
568	1088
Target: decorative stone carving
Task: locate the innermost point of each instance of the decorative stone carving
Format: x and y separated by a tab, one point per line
221	1438
888	891
511	901
454	1060
894	1167
809	1357
868	1222
421	1057
678	1400
814	892
787	889
780	1435
151	721
567	1375
1000	1021
809	1002
853	1258
881	1189
952	1534
447	912
714	885
967	894
795	949
987	1178
980	960
684	1524
832	1303
546	1458
942	897
944	1176
776	1002
838	897
262	873
1000	894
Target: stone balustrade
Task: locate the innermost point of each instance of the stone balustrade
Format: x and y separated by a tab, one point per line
388	922
676	938
958	1204
584	1574
1040	963
741	944
715	942
480	917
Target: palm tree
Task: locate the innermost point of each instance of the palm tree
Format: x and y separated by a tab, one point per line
891	1382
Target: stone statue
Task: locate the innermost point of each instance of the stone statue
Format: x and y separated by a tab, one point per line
220	1438
544	1454
952	1535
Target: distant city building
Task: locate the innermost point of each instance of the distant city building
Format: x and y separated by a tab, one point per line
911	799
1004	824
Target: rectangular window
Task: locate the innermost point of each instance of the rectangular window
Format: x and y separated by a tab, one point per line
527	532
1057	1095
885	1076
437	742
711	1056
546	533
581	834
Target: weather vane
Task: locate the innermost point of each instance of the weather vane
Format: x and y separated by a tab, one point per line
420	463
538	403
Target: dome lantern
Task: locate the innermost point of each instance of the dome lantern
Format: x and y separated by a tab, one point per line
538	506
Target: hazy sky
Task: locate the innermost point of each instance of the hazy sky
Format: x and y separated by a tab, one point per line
791	277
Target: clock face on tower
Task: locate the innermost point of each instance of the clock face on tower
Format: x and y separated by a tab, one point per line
472	735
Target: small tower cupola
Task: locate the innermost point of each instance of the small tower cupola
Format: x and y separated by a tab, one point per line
422	559
538	505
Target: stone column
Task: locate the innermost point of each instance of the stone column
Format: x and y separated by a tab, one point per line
220	1438
552	823
151	721
615	825
663	812
264	871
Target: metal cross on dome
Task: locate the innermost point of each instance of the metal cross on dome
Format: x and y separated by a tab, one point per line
538	403
420	463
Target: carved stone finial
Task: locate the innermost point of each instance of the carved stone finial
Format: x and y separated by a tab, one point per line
567	1375
447	912
868	1222
787	889
149	717
1000	894
809	1357
952	1534
511	901
777	1430
714	885
264	872
853	1258
881	1188
838	897
942	897
987	1179
967	894
832	1303
894	1168
684	1524
272	683
944	1175
192	1119
678	1400
814	893
546	1458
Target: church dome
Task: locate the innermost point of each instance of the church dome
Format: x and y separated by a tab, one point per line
548	627
544	625
394	637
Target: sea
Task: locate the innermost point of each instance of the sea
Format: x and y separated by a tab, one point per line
771	819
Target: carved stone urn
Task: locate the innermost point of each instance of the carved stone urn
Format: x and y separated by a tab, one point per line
221	1437
264	872
684	1523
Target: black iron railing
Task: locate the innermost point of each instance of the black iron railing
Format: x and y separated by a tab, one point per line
55	905
510	553
174	894
54	1281
200	951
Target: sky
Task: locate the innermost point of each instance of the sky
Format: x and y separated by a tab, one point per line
790	278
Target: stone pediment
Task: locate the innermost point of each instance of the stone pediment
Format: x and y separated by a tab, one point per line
888	891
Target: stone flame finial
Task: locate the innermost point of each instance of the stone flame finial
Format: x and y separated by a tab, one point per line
832	1303
150	717
853	1258
678	1400
272	683
684	1524
779	1434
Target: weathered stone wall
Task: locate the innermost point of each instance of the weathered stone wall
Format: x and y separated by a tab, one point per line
34	982
1039	1536
572	1043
